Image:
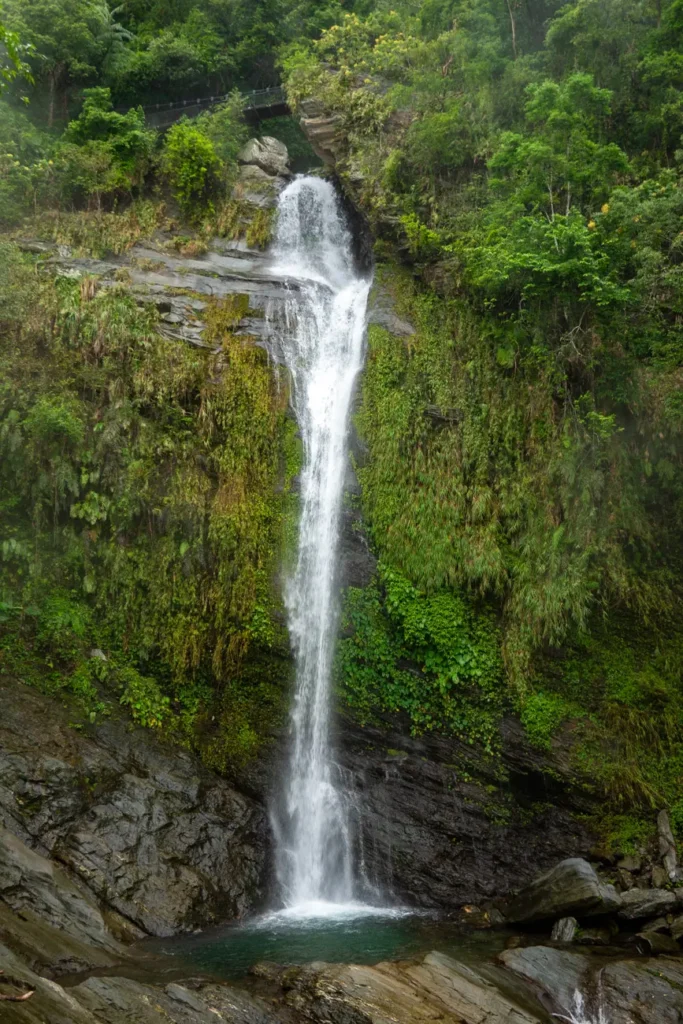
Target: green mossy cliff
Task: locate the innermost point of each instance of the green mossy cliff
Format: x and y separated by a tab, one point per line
467	474
519	167
522	467
146	504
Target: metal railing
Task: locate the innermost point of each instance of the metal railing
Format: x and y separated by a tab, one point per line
252	101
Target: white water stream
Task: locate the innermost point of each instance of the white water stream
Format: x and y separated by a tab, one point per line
321	335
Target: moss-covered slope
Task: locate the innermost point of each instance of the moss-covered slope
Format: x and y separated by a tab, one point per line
145	502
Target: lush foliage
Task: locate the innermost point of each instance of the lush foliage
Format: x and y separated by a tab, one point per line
429	657
522	483
524	445
147	51
191	166
12	52
105	158
145	494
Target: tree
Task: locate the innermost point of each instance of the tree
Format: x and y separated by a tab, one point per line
224	125
561	160
65	36
191	166
537	240
124	136
113	36
12	53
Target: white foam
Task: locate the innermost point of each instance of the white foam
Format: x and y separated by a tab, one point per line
323	911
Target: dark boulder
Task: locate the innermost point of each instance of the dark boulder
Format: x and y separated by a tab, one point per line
633	991
637	904
652	942
571	887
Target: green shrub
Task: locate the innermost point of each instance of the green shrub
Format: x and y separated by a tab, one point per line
62	626
676	818
541	714
434	657
227	131
89	173
192	168
131	144
103	153
148	705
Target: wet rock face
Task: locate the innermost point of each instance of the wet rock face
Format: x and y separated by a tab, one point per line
322	131
47	917
357	563
29	881
435	989
629	991
438	827
381	313
148	830
180	287
115	1000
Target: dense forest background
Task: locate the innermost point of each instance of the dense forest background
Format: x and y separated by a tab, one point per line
519	163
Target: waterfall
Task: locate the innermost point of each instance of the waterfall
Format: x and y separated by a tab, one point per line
320	334
580	1015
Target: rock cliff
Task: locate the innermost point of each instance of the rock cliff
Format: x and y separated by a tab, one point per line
147	830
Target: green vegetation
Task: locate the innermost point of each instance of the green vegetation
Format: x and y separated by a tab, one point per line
520	166
524	445
191	165
105	160
456	682
145	496
12	65
147	51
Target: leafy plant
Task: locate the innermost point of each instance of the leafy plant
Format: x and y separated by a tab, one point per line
192	167
148	705
432	657
148	492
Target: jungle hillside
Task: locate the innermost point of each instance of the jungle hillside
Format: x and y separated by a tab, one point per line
518	165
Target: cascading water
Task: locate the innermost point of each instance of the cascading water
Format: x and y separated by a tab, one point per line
321	340
580	1015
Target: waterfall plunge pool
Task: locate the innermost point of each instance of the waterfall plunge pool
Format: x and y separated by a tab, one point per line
354	935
